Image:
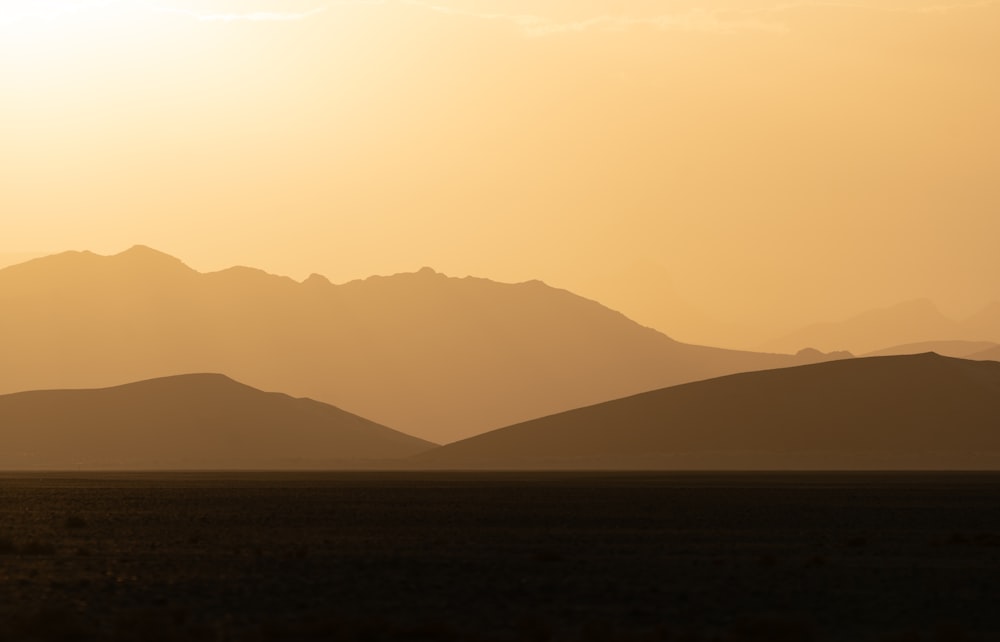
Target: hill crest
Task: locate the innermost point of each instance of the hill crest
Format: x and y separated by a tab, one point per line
922	410
191	421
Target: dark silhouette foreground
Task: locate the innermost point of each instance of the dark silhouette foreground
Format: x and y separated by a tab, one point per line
352	557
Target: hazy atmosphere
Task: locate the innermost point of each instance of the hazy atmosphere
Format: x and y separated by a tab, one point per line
725	171
499	321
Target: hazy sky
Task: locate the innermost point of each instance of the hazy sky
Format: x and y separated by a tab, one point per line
757	163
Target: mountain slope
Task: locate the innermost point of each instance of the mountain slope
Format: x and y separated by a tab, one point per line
187	421
438	357
922	411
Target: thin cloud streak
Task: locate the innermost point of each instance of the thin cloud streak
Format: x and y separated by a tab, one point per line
698	20
537	26
45	11
255	16
730	21
524	21
715	21
820	4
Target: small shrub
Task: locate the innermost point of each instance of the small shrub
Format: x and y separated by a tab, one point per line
38	548
75	522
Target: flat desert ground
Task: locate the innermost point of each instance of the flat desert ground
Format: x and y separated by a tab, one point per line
886	557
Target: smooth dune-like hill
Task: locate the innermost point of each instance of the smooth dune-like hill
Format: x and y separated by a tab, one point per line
198	421
921	412
906	324
437	357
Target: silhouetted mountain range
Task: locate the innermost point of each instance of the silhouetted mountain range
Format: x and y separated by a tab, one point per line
204	421
439	357
923	412
911	322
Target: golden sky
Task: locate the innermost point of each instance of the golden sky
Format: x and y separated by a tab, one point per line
757	163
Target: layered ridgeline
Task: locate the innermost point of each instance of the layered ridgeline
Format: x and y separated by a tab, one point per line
909	412
199	421
910	327
958	349
438	357
990	354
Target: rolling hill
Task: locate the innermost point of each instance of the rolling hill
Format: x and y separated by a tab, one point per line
200	421
437	357
921	412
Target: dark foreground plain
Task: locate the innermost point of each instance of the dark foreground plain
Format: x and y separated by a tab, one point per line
892	557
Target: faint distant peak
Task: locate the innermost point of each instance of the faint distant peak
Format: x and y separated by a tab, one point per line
904	310
189	379
195	377
912	309
991	309
317	280
145	252
424	273
59	258
248	275
917	305
137	260
146	256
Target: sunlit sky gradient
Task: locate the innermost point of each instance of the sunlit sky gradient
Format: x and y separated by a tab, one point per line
760	164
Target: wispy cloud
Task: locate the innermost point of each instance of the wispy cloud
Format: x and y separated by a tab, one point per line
944	8
696	20
766	19
517	19
59	10
719	21
49	10
253	16
832	4
536	26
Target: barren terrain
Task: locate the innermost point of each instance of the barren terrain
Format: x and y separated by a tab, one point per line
487	556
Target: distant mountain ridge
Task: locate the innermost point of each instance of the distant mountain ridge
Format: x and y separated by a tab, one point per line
875	331
438	357
958	349
905	412
200	421
991	354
